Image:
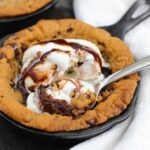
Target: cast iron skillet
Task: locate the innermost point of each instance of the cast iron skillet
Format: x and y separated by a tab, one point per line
119	29
12	24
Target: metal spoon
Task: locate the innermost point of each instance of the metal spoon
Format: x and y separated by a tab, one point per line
139	65
120	29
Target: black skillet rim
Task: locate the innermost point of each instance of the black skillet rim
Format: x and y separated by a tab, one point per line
79	134
27	16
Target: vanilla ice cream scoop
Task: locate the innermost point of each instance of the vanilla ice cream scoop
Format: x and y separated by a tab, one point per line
72	62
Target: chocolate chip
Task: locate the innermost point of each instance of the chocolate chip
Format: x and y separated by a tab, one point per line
54	36
2	56
91	122
58	32
100	43
69	30
23	47
87	96
80	63
30	29
69	71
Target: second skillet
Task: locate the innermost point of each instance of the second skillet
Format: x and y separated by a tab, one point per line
12	24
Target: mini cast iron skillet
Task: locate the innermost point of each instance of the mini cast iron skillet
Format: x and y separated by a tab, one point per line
12	24
119	30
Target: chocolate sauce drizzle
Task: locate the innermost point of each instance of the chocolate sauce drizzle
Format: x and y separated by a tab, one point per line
77	47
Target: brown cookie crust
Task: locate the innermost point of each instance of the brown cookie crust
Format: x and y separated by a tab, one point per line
113	100
11	8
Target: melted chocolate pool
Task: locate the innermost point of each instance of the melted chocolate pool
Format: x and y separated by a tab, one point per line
20	85
53	106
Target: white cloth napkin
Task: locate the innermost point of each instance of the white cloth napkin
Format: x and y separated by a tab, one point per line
134	133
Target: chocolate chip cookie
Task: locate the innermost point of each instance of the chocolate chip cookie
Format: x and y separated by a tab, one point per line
49	75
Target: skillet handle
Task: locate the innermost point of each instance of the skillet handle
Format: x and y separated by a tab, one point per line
127	23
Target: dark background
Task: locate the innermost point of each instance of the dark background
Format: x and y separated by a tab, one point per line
10	139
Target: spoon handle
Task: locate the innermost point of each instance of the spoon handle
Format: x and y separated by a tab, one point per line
128	22
139	65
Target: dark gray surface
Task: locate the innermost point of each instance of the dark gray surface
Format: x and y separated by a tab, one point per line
10	139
